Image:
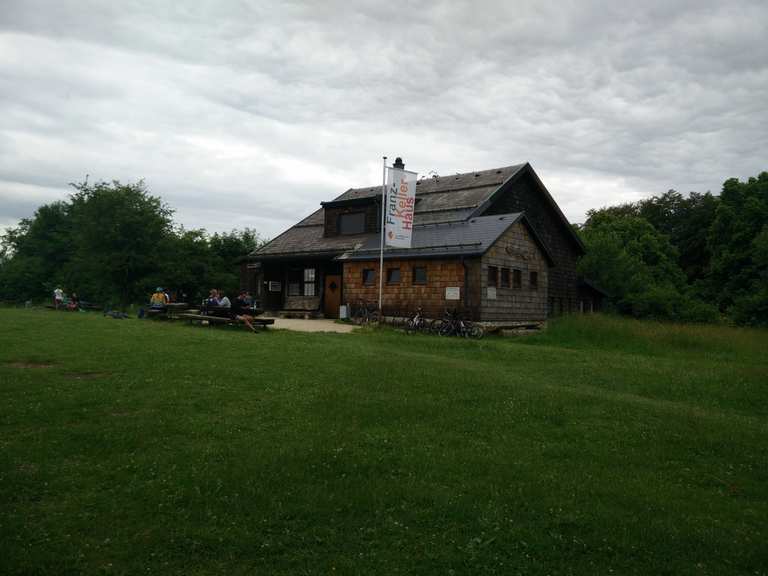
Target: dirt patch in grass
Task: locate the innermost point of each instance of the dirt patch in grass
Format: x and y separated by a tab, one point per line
86	375
30	364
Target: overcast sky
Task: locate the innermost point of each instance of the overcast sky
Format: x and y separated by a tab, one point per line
249	114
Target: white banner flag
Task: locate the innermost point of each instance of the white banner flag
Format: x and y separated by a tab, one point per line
401	201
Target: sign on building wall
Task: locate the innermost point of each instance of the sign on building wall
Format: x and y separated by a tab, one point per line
401	201
274	286
491	293
453	293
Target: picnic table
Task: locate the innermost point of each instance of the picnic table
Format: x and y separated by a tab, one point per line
222	311
211	320
168	311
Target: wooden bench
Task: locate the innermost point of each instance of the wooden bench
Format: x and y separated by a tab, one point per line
260	322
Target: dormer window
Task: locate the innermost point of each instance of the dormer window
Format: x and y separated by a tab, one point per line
352	223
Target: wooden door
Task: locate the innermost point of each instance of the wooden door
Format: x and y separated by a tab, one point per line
332	296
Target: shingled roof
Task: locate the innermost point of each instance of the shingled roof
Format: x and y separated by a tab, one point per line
463	238
441	199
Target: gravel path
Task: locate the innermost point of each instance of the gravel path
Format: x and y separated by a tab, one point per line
317	325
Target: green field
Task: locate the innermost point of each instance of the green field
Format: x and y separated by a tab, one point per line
603	446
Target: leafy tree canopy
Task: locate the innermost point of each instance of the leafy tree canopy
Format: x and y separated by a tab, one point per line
113	243
673	256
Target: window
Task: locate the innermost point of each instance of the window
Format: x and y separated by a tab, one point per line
353	223
534	281
517	279
309	281
419	275
369	276
301	282
493	276
505	277
393	275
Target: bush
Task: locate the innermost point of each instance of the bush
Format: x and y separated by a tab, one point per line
752	310
665	302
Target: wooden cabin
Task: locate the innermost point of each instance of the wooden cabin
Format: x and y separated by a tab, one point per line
493	243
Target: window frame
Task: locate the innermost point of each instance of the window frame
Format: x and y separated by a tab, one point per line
517	279
309	283
372	274
415	281
344	215
533	279
493	276
396	269
505	279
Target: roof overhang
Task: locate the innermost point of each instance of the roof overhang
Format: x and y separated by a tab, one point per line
364	201
326	255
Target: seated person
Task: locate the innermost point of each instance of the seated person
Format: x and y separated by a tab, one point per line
224	301
73	303
243	301
241	312
158	299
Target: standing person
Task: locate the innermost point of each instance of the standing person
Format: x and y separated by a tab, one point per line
58	298
73	303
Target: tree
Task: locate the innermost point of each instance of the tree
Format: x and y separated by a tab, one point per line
637	266
117	234
738	241
113	243
35	252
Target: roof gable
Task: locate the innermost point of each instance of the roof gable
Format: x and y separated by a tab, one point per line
527	170
444	200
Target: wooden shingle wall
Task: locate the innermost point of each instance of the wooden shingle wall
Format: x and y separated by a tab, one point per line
372	218
405	296
524	196
515	250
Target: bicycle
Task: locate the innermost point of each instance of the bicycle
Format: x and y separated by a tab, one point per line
453	324
418	323
365	313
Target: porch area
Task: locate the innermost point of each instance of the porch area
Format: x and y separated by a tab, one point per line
300	288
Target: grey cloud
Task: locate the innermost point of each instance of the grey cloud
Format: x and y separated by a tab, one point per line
254	114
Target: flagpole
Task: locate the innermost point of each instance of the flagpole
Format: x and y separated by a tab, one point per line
383	226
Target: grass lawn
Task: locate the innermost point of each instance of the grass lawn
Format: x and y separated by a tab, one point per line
603	446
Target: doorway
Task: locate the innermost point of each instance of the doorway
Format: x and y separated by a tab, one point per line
332	296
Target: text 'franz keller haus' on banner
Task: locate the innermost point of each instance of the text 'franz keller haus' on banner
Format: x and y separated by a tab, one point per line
401	201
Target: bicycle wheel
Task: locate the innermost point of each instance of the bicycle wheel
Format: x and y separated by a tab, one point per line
476	331
445	329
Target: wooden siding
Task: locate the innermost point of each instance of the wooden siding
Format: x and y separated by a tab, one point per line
523	195
372	217
404	297
515	250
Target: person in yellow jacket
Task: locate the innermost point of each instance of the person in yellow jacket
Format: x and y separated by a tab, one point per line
159	299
